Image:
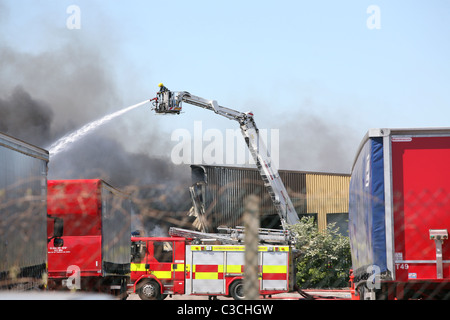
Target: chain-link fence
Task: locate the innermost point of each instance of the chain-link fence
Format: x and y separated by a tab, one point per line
324	257
92	228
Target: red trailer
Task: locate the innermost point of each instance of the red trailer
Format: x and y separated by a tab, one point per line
94	254
399	214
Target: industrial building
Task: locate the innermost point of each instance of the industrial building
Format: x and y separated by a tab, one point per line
220	191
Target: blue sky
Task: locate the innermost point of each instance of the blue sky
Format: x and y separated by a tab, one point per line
312	69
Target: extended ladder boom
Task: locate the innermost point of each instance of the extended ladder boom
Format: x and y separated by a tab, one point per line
234	235
171	101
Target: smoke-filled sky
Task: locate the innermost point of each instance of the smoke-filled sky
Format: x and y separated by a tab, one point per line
320	72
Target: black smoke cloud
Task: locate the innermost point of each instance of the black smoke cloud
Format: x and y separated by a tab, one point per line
26	118
317	143
46	95
97	156
72	80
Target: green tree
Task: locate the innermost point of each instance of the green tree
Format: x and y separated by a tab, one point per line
325	259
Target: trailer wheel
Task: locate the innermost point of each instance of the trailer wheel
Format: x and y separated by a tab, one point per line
237	290
149	290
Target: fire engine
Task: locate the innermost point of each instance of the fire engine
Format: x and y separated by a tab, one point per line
196	263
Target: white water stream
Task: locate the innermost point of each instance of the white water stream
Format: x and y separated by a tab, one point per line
68	139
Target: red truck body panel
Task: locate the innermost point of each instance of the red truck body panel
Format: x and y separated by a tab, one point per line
97	228
74	253
421	189
79	203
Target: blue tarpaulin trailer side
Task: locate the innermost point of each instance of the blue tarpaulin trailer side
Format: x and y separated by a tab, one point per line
366	209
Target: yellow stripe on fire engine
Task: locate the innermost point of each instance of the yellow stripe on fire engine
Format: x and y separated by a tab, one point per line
162	274
274	269
138	267
217	248
206	275
178	267
141	267
228	248
234	268
237	248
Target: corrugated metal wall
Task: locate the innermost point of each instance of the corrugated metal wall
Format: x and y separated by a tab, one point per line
23	211
311	193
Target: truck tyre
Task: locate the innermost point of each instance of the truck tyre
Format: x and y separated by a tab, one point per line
149	290
237	290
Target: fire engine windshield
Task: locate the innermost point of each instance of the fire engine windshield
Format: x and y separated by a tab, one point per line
163	251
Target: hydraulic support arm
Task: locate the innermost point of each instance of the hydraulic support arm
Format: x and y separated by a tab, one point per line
171	101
